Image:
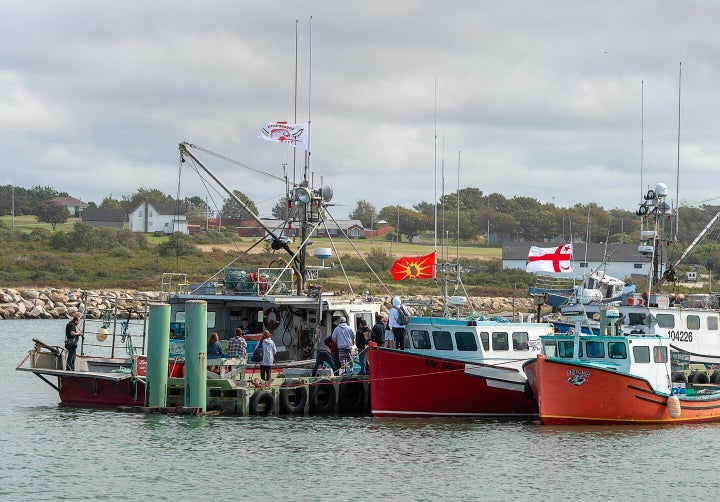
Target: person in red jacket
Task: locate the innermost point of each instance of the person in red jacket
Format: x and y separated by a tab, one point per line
334	352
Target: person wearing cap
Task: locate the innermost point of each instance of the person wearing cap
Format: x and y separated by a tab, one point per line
344	336
378	330
72	334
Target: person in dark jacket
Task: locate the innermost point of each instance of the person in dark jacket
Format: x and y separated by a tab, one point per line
362	337
378	331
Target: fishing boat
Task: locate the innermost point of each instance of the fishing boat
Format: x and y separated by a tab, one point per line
597	286
287	299
692	322
615	378
456	367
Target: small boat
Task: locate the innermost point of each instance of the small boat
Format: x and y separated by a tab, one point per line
456	367
614	379
597	287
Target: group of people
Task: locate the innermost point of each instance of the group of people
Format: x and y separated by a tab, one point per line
237	348
337	349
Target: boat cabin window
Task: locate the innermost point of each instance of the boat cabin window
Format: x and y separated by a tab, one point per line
520	341
665	320
180	317
550	349
365	316
565	348
617	350
595	349
636	319
485	339
641	354
500	341
693	322
442	340
465	341
420	339
712	322
660	354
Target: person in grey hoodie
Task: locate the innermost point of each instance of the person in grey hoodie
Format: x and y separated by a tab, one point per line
344	336
397	328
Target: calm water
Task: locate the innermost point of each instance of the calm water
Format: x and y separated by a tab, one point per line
54	453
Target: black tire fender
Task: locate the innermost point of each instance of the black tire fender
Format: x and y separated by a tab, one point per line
262	397
351	396
322	397
293	397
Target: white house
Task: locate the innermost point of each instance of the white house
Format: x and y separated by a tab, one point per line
624	262
151	217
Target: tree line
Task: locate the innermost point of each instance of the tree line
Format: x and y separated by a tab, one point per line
479	216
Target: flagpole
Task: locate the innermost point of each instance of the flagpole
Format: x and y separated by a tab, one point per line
295	104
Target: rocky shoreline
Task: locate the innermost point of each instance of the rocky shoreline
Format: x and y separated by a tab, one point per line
64	303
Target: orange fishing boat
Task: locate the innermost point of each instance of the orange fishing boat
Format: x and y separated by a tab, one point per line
610	379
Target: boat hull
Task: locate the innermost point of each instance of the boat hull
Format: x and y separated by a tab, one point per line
407	384
569	393
87	390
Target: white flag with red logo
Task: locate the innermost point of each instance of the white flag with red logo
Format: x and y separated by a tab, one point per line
555	260
296	135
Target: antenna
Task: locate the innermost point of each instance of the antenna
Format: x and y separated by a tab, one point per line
677	181
642	135
435	171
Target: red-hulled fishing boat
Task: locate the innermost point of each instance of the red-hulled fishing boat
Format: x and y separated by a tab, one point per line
606	379
455	367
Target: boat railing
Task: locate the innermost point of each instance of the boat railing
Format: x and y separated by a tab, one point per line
260	282
173	283
114	325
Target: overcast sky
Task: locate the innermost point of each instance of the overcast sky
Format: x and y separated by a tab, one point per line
543	99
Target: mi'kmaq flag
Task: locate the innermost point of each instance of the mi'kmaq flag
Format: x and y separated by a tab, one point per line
409	267
555	260
296	135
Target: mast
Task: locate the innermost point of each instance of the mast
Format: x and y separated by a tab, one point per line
677	179
305	182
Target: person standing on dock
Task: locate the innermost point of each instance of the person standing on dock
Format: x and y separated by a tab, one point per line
237	346
344	336
269	350
72	333
334	353
393	323
364	335
378	330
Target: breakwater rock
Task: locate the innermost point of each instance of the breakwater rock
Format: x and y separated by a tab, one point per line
56	303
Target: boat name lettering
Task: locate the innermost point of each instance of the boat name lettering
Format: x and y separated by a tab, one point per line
680	336
452	366
577	377
429	363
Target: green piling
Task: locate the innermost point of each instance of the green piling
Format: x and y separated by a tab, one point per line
196	354
157	353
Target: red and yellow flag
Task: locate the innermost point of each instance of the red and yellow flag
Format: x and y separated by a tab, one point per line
414	267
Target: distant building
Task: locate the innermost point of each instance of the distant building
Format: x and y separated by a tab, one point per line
150	217
101	217
338	228
74	206
624	262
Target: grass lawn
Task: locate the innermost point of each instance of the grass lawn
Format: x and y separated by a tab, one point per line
28	222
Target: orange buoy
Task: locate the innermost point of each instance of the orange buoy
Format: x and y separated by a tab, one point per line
673	404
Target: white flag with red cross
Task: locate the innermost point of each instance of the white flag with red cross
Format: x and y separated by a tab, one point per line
554	260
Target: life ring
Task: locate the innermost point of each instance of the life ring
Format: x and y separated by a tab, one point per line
698	377
262	403
352	396
271	325
679	376
293	397
322	397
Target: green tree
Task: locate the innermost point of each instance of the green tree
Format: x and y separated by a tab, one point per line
177	245
49	212
411	222
365	212
232	209
152	195
280	209
110	203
